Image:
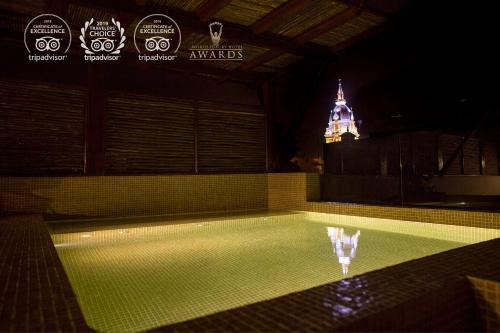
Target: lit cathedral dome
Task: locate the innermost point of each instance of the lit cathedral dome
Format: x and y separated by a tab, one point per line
341	119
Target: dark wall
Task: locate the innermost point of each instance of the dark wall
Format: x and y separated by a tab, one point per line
121	118
422	154
292	97
41	128
368	171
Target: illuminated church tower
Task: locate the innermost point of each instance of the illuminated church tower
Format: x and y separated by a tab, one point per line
341	120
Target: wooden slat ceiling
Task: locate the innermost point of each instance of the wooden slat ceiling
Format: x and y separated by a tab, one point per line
28	7
308	17
356	26
247	12
77	15
252	51
264	69
11	23
284	60
186	5
275	33
198	39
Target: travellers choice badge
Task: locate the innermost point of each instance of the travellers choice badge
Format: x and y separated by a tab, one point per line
157	37
102	40
47	37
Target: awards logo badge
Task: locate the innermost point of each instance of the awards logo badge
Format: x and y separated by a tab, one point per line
157	37
47	37
102	40
216	51
215	32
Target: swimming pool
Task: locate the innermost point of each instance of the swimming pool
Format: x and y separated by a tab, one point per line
135	274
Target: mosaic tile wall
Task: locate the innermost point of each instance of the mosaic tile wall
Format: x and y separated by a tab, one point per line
116	196
487	295
299	191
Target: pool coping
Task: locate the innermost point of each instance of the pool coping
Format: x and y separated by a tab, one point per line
432	293
409	296
37	295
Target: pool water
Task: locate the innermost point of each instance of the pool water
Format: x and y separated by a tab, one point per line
131	275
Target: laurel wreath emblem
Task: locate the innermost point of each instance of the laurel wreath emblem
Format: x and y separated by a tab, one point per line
115	23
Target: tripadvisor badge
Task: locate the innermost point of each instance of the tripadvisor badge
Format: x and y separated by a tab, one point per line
47	37
157	37
102	40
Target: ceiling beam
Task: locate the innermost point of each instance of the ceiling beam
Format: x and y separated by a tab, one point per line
233	32
273	17
260	59
366	8
209	8
329	24
195	67
294	6
357	38
256	61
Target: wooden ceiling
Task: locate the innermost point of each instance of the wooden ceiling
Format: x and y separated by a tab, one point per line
275	34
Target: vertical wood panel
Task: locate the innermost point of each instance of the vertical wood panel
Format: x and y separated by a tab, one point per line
471	157
231	138
195	134
94	121
41	128
448	144
148	134
491	159
425	152
44	131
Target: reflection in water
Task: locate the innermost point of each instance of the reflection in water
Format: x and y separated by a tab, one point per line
344	246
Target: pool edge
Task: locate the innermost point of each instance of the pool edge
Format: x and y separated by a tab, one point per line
393	287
